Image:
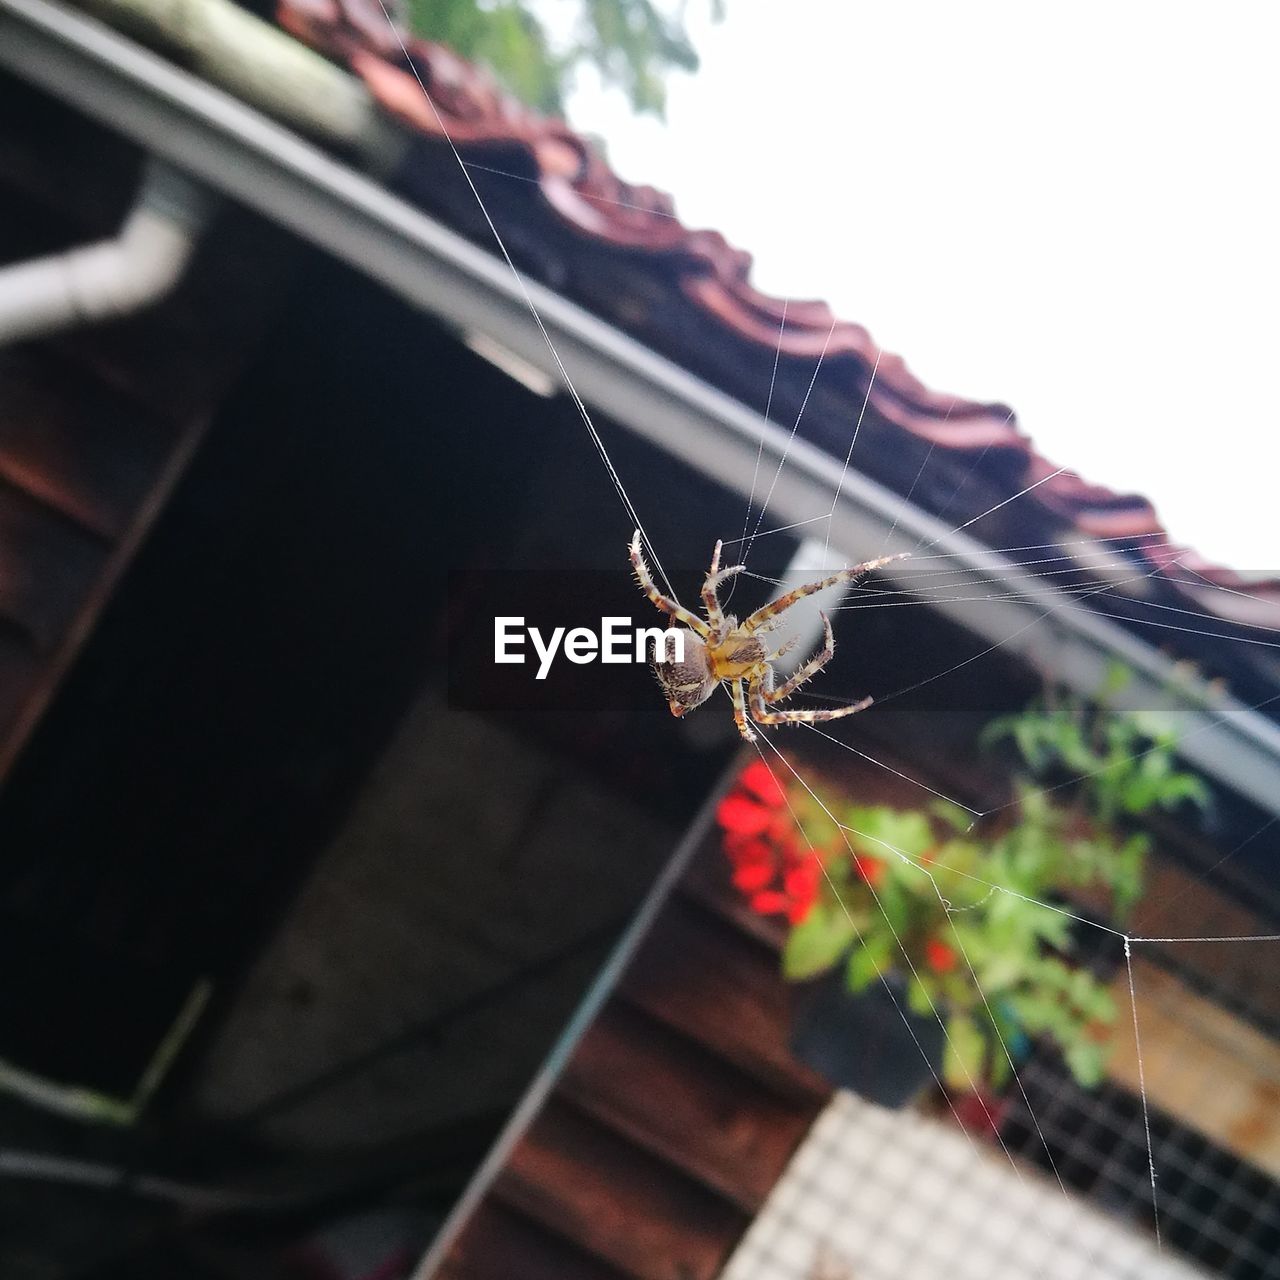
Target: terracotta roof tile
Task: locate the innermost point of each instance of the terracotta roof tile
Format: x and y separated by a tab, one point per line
595	206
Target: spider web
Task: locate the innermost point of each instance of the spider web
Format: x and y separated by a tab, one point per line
936	578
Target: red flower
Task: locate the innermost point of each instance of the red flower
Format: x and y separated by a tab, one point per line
789	852
801	887
741	849
798	912
740	815
751	877
870	869
769	902
759	779
802	881
771	865
797	895
981	1112
940	957
782	830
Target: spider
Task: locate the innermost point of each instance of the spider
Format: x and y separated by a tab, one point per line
723	650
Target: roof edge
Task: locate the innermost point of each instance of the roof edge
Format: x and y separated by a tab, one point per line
271	170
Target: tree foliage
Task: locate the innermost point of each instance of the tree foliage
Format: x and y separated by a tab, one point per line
631	43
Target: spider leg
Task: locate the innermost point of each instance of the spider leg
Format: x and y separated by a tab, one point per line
740	710
715	576
761	714
667	605
810	668
783	649
782	603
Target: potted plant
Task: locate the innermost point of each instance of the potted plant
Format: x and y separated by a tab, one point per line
952	937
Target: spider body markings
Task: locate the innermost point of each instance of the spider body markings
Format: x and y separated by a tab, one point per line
722	650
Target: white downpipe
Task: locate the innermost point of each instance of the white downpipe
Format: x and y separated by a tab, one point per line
112	278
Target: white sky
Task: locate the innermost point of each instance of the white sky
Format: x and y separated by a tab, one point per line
1072	209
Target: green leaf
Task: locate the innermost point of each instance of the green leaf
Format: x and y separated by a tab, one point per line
1001	1069
894	907
1158	726
885	832
964	1061
996	731
630	43
815	944
869	961
957	818
1001	970
1087	1061
1184	786
922	995
1116	679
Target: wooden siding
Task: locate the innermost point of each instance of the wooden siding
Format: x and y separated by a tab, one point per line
672	1121
681	1106
1212	1071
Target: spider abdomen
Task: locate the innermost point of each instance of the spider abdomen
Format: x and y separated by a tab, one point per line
689	683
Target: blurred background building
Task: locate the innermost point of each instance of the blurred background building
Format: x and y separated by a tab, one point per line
331	951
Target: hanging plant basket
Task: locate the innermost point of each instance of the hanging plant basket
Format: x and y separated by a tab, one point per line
870	1043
